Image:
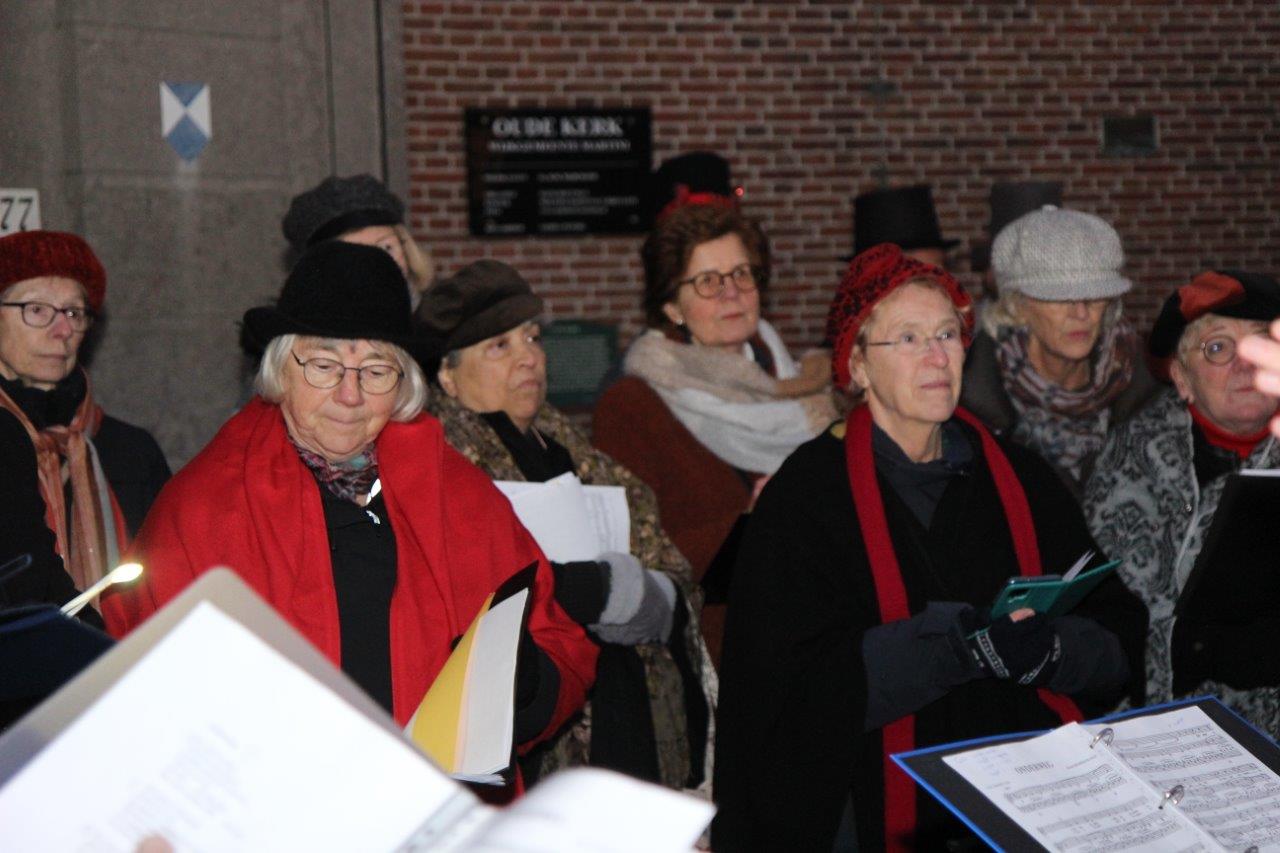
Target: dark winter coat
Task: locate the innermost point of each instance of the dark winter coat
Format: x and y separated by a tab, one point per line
791	748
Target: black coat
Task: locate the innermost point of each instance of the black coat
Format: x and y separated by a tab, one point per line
790	744
136	470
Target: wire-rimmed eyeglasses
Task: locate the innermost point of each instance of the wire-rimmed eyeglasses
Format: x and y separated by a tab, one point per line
914	343
325	373
40	315
710	283
1221	349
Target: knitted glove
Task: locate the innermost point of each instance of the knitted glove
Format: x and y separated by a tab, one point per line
641	603
1027	651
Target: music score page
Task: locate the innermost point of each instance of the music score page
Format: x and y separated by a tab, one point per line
1074	793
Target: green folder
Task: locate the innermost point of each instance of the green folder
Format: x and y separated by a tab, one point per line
1049	594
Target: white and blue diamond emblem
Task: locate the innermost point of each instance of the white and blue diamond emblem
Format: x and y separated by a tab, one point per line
185	118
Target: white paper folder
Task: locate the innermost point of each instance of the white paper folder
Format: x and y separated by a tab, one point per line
218	727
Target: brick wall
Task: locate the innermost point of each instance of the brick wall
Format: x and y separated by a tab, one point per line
980	91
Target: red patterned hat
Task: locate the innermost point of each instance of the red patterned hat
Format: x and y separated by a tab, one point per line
34	254
871	276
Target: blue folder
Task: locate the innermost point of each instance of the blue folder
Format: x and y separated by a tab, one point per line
1000	831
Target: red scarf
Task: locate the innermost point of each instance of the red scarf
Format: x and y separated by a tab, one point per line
86	542
247	501
1240	445
891	593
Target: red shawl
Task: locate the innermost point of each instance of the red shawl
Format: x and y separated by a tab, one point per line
891	593
248	502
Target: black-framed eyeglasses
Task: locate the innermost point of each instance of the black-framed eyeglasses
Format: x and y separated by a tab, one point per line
40	315
915	344
325	373
710	283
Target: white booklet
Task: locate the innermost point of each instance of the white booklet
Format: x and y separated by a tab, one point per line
466	720
1173	781
217	727
570	521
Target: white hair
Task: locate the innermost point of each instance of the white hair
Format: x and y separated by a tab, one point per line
411	393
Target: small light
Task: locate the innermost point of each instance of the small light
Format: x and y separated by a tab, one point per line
126	572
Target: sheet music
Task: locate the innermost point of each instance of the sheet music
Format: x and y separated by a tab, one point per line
1072	798
217	742
571	521
1074	795
1226	790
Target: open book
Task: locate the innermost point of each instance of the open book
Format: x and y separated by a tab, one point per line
218	727
570	521
1174	780
1052	595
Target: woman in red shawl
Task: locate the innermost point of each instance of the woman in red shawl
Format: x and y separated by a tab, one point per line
345	508
857	617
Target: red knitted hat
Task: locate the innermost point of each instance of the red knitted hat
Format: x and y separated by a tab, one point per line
34	254
871	276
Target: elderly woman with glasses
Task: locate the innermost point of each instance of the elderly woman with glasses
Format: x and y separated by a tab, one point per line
75	483
1161	475
857	622
648	714
712	401
343	506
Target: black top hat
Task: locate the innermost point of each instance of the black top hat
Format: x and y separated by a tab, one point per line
482	299
697	172
338	205
1010	200
341	290
904	216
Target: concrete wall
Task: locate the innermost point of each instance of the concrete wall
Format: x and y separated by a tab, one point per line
299	89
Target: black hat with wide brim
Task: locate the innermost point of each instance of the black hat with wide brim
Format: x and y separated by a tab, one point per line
904	216
342	290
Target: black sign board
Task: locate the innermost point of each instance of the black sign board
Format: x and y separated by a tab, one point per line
549	172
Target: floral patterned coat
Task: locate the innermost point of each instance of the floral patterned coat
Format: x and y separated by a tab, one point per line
475	439
1144	507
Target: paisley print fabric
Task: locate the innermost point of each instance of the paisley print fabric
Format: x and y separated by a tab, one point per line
1144	508
475	439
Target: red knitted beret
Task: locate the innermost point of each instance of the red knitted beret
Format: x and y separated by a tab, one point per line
35	254
871	276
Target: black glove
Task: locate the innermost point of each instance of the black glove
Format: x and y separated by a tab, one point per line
1027	651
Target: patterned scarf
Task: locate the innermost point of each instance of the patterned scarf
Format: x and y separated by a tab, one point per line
349	480
1067	427
90	535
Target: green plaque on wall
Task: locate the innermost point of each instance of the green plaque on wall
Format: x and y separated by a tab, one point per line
581	355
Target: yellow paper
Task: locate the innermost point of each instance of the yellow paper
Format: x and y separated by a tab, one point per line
435	725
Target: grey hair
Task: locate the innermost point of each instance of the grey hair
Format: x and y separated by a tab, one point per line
1003	314
411	393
